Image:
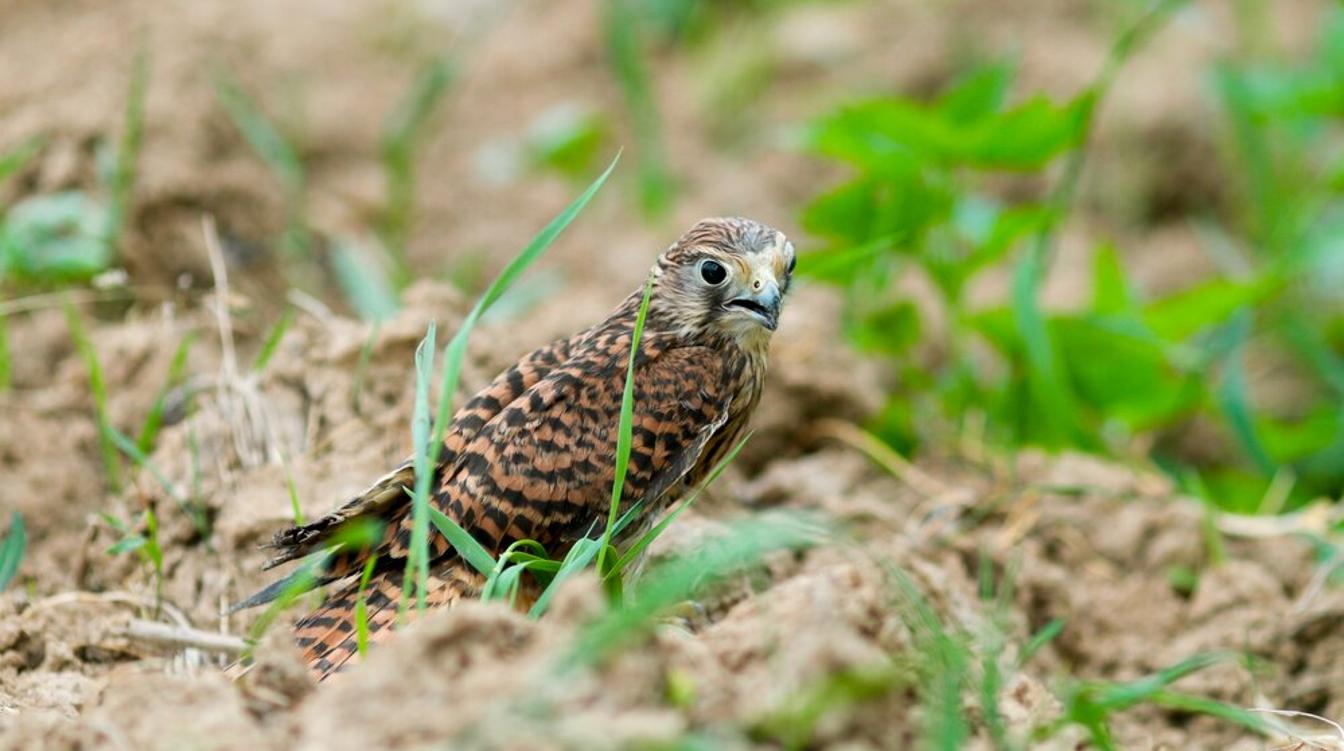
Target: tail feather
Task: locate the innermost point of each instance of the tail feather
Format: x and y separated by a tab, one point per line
329	636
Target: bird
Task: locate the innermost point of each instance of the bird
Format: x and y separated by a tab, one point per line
532	455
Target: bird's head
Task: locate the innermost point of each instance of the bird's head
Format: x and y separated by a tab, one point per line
725	276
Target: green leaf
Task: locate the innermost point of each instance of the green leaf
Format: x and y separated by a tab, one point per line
11	549
1111	292
466	546
60	237
127	545
1052	402
1206	304
882	133
891	329
977	94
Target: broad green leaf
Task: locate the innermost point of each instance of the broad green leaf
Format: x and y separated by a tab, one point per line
1111	292
1206	304
59	237
977	94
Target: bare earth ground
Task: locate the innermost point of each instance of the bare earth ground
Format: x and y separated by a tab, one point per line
1092	543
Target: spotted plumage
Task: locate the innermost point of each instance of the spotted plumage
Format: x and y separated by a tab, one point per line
532	455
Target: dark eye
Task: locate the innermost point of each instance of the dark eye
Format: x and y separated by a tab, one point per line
792	262
713	272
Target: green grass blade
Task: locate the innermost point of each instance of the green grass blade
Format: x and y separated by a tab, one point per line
295	508
364	283
580	555
272	341
625	425
743	545
362	367
427	452
1051	397
466	546
11	550
149	431
417	563
259	133
1234	400
362	608
297	583
271	147
140	459
513	555
1041	638
98	387
128	148
648	537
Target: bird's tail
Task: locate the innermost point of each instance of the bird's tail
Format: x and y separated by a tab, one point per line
330	635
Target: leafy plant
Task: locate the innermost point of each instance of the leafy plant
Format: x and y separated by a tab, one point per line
1118	375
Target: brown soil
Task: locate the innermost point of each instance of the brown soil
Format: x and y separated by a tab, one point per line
1097	545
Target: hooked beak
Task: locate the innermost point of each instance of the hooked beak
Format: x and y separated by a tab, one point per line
763	304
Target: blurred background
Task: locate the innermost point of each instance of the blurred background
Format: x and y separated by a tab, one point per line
1111	225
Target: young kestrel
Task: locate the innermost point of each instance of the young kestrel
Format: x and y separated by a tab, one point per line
532	455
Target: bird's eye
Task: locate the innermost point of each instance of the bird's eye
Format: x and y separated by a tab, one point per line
792	262
713	272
